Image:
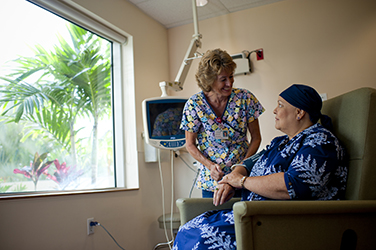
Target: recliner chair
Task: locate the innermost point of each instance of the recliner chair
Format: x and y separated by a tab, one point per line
347	224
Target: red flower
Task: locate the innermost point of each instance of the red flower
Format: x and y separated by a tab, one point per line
37	167
63	175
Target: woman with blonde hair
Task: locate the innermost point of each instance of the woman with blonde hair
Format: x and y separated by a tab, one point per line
216	121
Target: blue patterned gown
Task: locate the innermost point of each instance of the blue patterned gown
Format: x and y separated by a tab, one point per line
315	169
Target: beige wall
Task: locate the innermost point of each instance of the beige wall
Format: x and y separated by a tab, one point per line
328	44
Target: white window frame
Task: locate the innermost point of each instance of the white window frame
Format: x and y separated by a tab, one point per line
125	146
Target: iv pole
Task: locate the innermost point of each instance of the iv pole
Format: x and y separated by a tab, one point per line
191	54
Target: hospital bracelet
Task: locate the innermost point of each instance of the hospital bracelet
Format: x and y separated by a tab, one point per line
243	180
235	165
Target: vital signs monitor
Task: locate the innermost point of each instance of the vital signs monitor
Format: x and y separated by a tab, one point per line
162	118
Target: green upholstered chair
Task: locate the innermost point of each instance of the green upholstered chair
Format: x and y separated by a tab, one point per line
345	224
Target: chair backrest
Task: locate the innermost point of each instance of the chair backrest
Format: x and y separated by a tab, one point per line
354	120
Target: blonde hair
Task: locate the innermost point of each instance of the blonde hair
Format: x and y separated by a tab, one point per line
211	65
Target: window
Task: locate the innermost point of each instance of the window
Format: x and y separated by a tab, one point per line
60	100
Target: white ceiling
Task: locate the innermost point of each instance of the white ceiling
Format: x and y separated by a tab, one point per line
173	13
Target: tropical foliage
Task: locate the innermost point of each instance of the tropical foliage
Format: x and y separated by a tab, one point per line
64	175
49	92
36	168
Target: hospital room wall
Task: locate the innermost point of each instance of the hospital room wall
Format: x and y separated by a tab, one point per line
328	44
59	222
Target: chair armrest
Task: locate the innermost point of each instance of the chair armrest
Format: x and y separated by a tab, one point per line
250	208
192	207
314	224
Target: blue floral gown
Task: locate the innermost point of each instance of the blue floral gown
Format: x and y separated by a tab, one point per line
314	168
198	117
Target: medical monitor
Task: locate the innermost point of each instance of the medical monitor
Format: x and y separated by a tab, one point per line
162	118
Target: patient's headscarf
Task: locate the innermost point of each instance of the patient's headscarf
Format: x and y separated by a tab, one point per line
306	98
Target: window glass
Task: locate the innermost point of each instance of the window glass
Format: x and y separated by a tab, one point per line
56	117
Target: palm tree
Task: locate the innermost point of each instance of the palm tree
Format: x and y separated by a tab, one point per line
92	79
71	80
39	106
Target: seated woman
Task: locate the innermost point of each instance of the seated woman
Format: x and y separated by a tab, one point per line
308	163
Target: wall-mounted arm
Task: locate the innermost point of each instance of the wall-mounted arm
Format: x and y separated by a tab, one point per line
177	85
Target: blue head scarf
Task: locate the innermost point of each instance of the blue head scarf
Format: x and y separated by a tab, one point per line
306	98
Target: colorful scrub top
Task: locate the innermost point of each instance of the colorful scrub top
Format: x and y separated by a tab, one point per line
223	139
315	169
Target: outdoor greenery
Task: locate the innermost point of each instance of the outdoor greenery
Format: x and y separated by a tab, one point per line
43	101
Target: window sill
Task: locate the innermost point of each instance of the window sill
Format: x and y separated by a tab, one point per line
61	193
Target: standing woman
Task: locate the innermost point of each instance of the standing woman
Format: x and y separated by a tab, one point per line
216	121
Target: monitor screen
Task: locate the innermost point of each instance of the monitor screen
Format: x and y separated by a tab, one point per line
162	118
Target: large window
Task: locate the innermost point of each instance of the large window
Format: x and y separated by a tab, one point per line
57	103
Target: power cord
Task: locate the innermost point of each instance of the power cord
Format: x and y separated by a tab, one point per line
163	200
95	223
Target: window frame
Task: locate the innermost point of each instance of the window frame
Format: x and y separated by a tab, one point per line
124	139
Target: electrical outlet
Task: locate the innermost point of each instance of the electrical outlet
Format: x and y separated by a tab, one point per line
260	54
90	229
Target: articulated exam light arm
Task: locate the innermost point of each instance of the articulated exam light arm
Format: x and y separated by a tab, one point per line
177	85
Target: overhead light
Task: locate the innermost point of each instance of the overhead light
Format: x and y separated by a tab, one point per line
201	3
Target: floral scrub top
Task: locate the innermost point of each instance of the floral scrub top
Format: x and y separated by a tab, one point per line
223	139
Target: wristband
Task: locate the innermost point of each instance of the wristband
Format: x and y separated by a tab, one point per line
243	180
235	165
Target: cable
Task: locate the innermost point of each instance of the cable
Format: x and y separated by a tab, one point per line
194	182
163	199
172	196
197	171
181	158
95	223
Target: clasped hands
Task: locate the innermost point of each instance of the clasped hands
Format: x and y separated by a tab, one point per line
226	188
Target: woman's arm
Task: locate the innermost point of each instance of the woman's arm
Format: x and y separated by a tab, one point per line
254	129
271	186
191	146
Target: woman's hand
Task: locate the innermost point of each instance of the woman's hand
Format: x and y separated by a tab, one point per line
222	194
216	172
233	179
271	186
